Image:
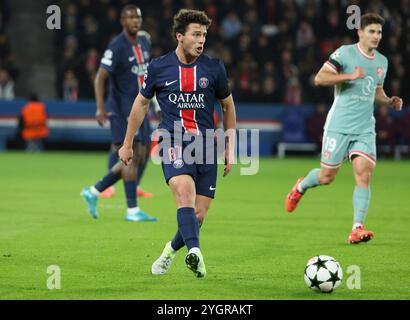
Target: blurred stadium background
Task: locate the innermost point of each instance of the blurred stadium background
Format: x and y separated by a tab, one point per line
271	49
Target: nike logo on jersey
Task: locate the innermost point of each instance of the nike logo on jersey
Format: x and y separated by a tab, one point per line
212	188
131	58
169	83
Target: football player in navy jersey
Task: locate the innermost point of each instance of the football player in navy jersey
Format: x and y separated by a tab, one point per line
187	84
124	63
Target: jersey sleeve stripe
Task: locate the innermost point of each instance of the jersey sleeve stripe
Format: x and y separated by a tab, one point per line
330	66
105	61
335	64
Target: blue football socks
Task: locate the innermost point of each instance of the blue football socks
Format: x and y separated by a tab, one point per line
107	181
129	187
361	201
310	181
188	227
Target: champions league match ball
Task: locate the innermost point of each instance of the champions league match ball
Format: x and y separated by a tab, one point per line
323	274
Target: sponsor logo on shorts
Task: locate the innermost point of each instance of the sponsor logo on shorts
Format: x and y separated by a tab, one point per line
178	164
179	148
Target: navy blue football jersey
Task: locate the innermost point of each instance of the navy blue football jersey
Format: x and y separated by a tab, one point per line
186	93
127	63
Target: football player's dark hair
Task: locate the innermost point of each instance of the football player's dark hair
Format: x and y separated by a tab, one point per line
186	16
370	18
128	7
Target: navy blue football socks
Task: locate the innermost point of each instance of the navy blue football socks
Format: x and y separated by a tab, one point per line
177	242
112	159
107	181
129	187
188	227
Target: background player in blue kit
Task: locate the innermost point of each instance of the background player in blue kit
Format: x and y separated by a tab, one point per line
187	84
126	84
124	63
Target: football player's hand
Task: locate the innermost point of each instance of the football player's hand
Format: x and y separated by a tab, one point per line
125	154
396	102
357	73
102	116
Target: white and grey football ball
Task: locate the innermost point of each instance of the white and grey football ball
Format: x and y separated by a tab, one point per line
323	274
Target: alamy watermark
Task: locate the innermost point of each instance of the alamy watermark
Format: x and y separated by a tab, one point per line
54	19
353	21
54	278
182	147
354	281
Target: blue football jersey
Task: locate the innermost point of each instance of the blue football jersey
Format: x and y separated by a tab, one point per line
127	63
186	93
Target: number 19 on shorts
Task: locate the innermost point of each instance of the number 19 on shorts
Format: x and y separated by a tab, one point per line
329	144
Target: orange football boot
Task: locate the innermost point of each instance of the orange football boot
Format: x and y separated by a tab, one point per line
360	235
293	197
143	194
108	193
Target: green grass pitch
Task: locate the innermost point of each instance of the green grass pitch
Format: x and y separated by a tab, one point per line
252	248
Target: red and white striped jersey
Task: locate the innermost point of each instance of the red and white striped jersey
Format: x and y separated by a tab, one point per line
186	93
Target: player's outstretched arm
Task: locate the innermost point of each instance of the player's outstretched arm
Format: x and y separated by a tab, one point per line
229	123
99	88
382	99
137	115
328	78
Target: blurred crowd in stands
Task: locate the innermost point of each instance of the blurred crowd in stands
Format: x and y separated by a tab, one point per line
271	48
8	70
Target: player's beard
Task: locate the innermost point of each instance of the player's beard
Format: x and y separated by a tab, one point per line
133	33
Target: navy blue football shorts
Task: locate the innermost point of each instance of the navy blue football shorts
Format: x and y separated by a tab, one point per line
118	125
200	163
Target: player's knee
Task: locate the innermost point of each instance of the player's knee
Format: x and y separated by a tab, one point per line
185	198
128	172
363	177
